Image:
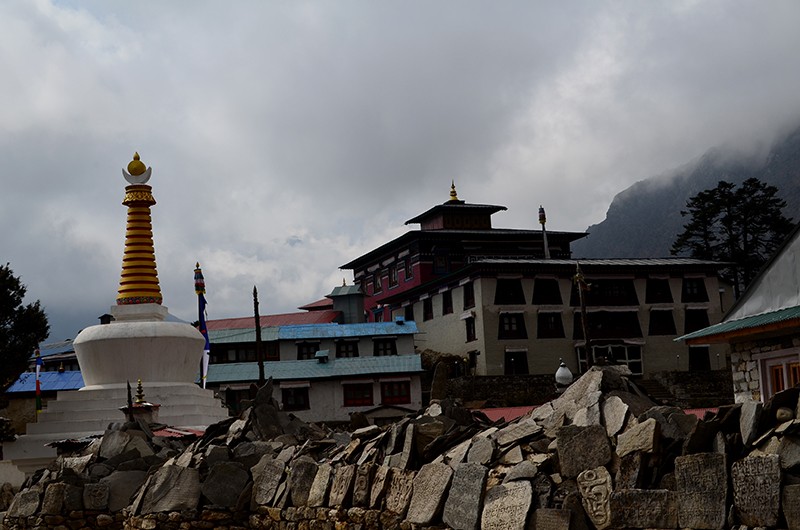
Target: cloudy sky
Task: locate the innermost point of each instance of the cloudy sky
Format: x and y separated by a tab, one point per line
287	138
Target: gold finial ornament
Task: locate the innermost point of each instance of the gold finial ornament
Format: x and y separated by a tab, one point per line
136	166
137	172
139	392
453	194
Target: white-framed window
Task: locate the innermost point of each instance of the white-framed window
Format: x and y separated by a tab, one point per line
619	353
779	370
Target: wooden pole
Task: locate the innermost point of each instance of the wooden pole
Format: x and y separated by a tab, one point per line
259	349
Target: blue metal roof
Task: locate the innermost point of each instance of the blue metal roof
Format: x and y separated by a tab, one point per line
313	369
54	348
315	331
49	381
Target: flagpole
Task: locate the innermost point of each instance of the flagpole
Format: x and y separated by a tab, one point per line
200	290
38	385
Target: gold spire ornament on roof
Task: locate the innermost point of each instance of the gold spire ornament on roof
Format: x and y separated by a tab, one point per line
138	282
453	194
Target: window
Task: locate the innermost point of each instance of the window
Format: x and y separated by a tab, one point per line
409	269
346	348
409	313
440	261
695	319
469	324
694	290
427	309
383	347
661	323
607	292
546	292
447	302
779	373
306	350
516	362
508	292
657	291
272	351
512	326
357	395
393	275
627	354
376	282
469	295
396	393
699	359
549	326
608	325
295	398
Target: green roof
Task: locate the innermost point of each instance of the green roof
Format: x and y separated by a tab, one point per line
313	369
751	322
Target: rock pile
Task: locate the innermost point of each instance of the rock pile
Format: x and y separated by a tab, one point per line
600	456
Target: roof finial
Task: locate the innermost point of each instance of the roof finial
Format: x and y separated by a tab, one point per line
136	167
344	282
453	194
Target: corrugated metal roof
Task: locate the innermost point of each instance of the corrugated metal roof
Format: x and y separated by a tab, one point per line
54	348
313	369
314	331
49	381
282	319
603	262
751	322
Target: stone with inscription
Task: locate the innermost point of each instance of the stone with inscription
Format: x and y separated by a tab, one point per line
551	519
267	474
457	454
380	483
224	484
595	488
430	489
749	418
122	485
361	489
615	411
462	510
95	496
53	499
171	489
756	489
408	447
318	494
398	496
481	452
342	487
542	490
506	507
629	471
641	437
582	448
634	508
517	432
304	471
25	504
791	506
701	482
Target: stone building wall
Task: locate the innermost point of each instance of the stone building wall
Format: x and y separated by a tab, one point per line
745	365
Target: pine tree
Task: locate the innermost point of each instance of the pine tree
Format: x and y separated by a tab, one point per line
741	227
22	327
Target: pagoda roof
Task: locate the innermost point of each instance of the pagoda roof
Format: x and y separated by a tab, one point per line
456	207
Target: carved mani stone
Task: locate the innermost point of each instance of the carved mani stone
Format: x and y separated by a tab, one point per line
361	491
430	487
380	483
595	487
701	481
318	494
551	519
791	506
644	509
506	506
399	494
756	489
462	510
581	448
342	488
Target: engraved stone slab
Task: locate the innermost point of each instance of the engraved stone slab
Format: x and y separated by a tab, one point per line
380	483
629	472
267	475
756	489
53	499
644	509
122	485
481	451
399	494
457	454
551	519
171	489
595	488
318	494
581	448
342	487
430	487
749	417
95	496
542	489
791	506
25	504
361	491
408	447
506	506
304	471
641	437
517	432
462	510
702	487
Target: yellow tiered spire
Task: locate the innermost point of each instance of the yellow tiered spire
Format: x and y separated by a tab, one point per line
453	194
138	283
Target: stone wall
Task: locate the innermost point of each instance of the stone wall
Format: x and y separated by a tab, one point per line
699	389
745	368
503	390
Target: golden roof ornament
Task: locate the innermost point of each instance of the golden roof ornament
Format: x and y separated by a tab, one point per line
137	172
453	194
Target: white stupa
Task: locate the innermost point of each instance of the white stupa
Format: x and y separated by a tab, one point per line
138	345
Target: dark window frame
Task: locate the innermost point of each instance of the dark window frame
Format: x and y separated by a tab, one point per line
289	398
512	326
384	347
303	350
508	291
550	325
468	290
357	395
427	309
544	294
396	393
469	328
346	349
447	302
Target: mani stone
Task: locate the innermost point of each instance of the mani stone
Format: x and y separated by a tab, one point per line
462	510
318	494
267	475
457	454
582	448
644	509
95	496
551	519
481	451
641	437
542	490
506	506
408	446
53	499
342	487
515	433
749	417
701	482
121	487
224	484
171	489
25	504
427	498
113	444
791	506
399	493
304	471
380	484
595	488
629	472
361	491
756	489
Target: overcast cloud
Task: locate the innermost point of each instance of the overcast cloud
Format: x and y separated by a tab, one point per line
288	138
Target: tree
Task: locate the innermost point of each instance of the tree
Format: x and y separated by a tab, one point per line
22	327
741	227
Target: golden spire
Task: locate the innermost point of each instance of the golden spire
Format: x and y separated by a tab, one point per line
453	194
138	282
